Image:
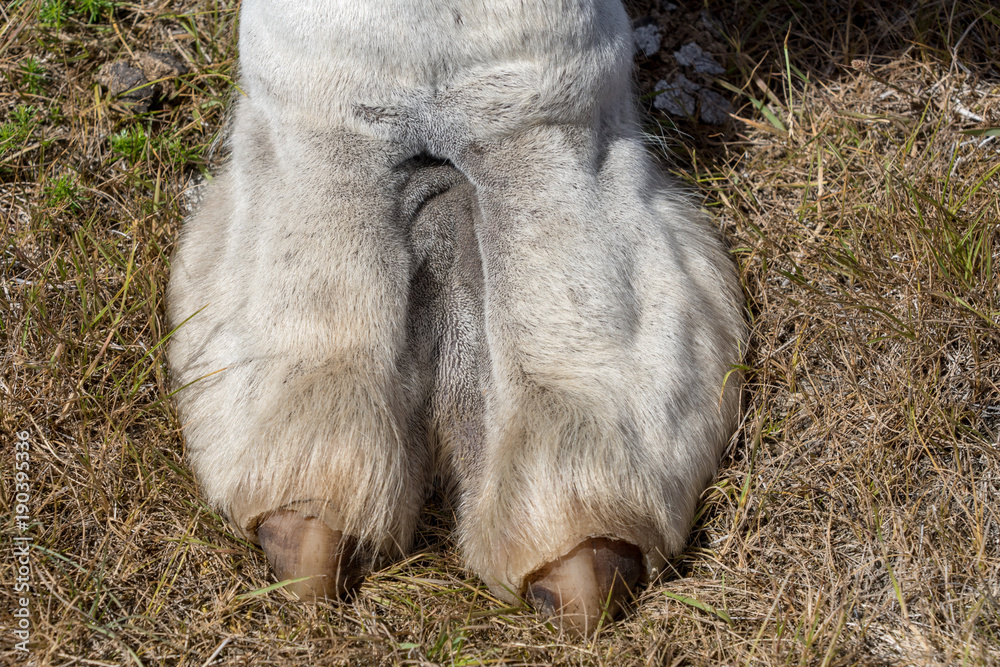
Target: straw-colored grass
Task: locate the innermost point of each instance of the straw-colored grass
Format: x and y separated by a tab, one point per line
855	518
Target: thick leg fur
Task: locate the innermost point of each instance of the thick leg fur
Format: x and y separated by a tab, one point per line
596	361
292	284
606	411
544	318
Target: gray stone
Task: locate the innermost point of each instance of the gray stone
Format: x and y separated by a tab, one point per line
127	83
692	55
714	108
677	98
685	98
647	39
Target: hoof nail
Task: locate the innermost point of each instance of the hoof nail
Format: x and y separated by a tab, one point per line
595	579
299	544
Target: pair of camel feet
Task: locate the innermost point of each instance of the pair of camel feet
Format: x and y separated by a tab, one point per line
440	251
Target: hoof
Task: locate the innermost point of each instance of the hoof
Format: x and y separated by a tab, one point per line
302	543
593	580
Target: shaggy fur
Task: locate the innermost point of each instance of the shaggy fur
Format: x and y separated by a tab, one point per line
533	313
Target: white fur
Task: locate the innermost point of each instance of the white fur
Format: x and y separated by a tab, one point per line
559	321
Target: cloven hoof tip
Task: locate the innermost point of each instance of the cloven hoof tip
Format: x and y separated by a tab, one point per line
594	580
300	545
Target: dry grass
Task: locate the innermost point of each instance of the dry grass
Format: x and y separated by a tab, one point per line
855	517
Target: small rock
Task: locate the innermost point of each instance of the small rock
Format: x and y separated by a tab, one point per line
123	81
647	39
677	98
685	98
715	109
131	83
158	65
692	55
